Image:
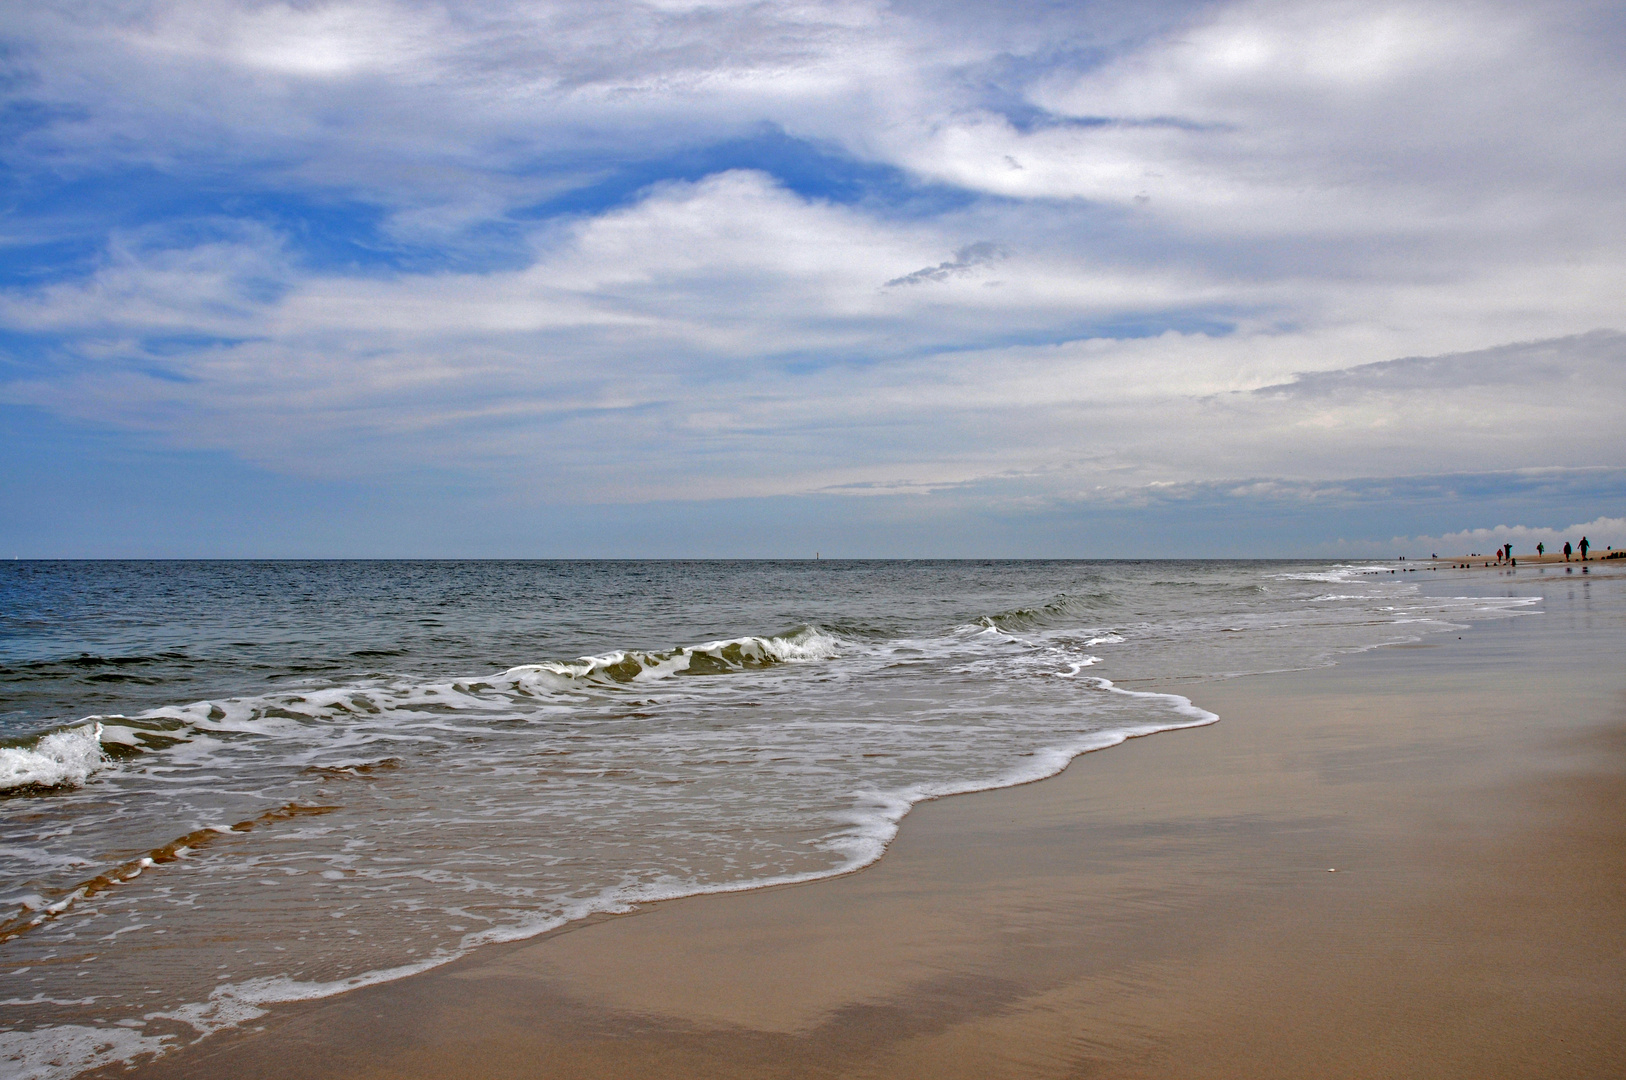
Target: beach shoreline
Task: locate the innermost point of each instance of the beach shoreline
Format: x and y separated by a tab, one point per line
1354	873
1604	560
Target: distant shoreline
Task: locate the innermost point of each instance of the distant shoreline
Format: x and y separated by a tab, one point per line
1481	562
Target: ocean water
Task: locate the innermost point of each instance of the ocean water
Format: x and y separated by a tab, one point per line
226	784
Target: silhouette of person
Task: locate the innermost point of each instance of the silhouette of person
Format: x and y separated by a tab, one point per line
1541	549
1584	546
1566	551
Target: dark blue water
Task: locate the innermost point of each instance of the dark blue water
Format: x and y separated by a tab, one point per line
82	638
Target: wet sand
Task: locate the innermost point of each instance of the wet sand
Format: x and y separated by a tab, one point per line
1411	864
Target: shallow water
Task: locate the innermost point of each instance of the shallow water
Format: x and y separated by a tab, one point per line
233	783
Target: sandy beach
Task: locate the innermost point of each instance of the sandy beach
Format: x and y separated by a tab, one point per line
1409	864
1605	561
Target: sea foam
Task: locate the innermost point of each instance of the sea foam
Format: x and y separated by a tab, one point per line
64	758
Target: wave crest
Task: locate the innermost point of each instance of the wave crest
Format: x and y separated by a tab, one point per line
712	658
57	759
1063	607
66	758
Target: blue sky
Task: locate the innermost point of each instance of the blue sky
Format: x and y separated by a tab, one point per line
670	278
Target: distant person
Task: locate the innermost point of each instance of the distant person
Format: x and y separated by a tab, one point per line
1584	546
1566	551
1541	549
1509	549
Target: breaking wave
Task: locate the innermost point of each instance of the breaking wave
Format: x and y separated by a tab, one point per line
713	658
378	710
59	759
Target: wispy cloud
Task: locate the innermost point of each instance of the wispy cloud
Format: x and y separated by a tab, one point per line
967	259
1574	362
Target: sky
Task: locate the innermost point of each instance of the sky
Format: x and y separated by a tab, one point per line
389	278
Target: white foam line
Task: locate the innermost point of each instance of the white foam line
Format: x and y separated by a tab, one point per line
58	1053
236	1003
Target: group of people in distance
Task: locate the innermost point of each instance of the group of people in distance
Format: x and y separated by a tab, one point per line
1541	549
1504	554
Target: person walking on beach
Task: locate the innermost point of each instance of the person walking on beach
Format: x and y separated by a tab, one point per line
1566	551
1584	546
1541	549
1509	549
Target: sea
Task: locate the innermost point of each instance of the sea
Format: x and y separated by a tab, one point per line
225	785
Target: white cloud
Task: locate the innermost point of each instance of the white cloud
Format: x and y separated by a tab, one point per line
150	283
1330	184
727	337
